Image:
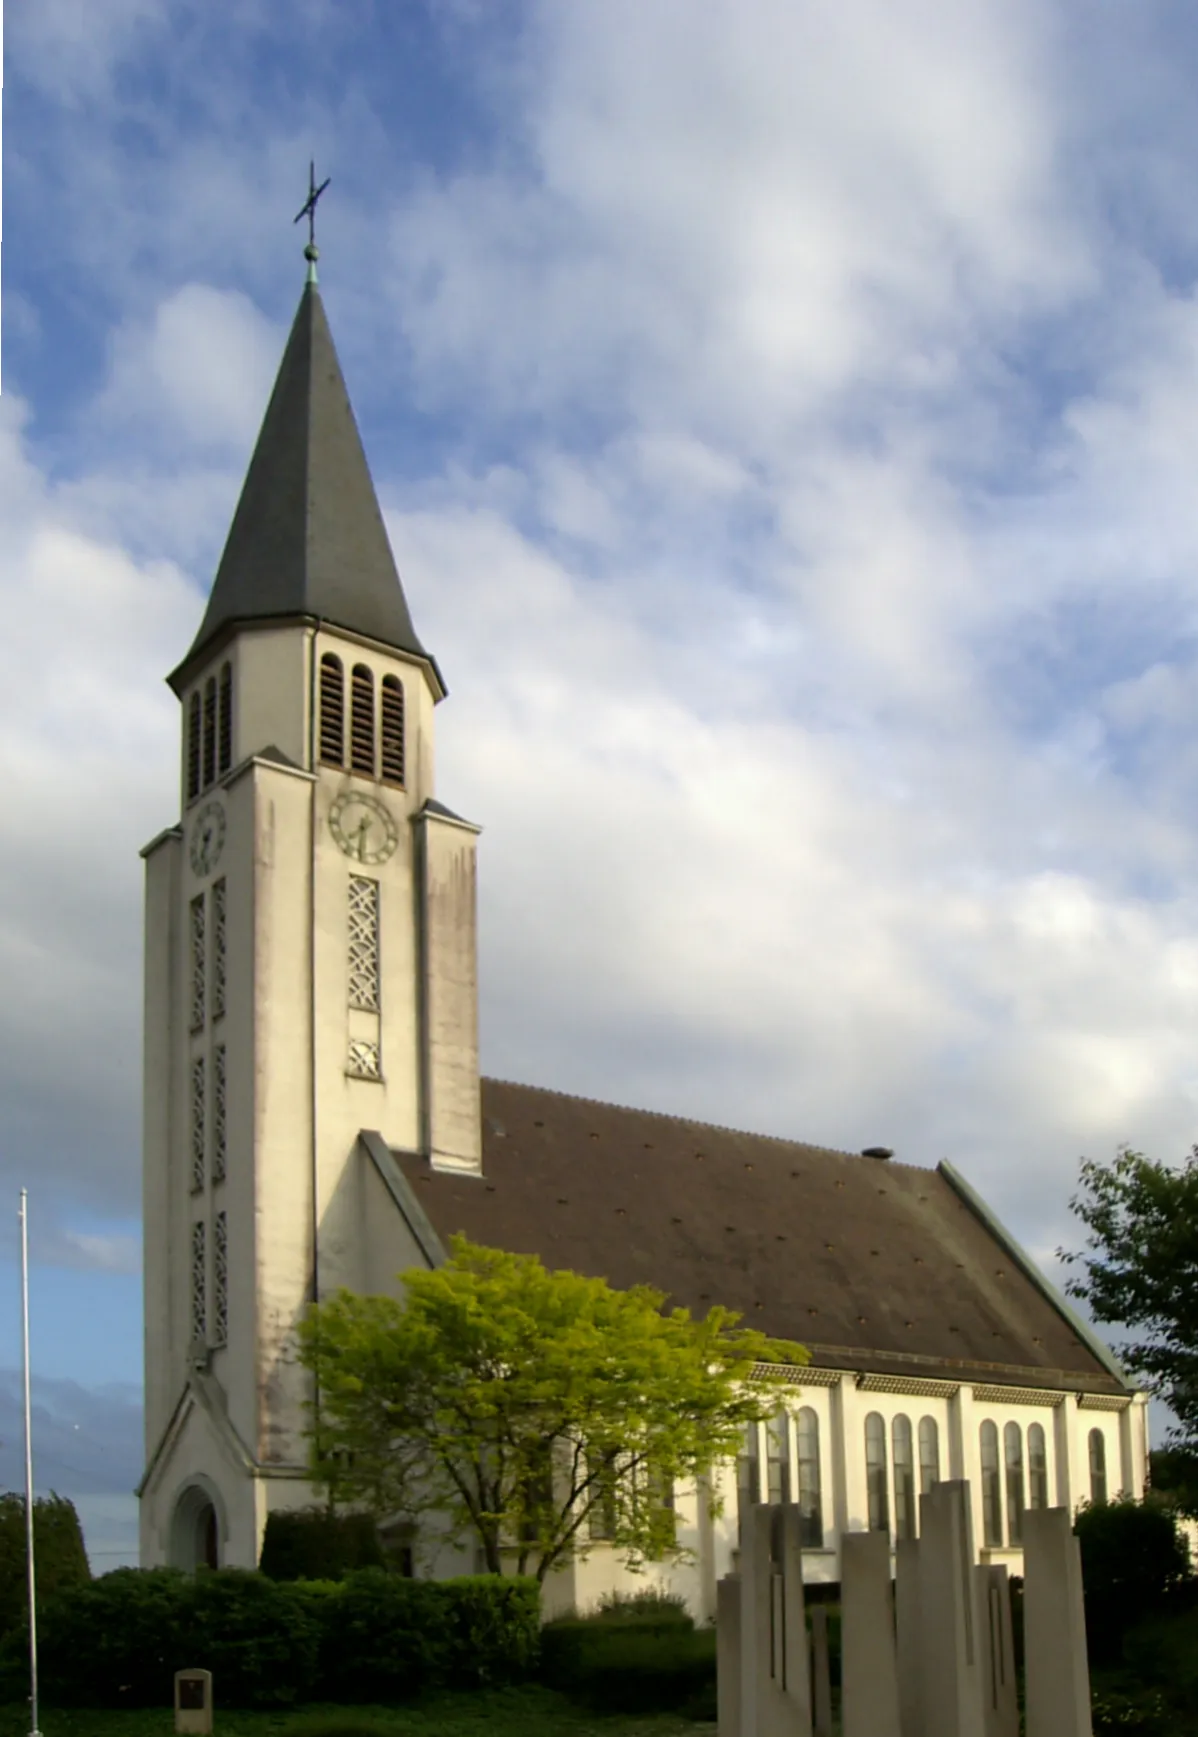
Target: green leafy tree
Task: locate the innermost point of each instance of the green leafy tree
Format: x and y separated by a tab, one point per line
518	1402
60	1557
1140	1268
1173	1477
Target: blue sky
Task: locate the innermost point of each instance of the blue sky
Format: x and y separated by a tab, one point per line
785	417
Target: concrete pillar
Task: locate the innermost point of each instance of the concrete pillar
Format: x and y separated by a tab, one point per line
869	1695
1073	1482
727	1656
754	1617
1056	1669
1000	1698
837	1509
951	1653
774	1684
908	1636
795	1681
821	1674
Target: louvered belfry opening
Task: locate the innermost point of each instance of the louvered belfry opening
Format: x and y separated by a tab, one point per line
226	718
209	731
332	710
361	729
392	730
194	710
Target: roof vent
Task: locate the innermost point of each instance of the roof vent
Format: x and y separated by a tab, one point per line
881	1152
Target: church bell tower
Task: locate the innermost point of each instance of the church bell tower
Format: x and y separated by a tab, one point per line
310	969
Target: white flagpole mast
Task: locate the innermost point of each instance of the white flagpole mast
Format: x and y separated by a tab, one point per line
33	1728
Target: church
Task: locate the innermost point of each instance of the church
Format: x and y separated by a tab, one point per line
314	1115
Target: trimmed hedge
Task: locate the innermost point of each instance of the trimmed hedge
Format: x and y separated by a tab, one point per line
1134	1561
372	1637
635	1666
312	1544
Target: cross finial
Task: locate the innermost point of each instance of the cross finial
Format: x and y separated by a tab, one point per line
308	210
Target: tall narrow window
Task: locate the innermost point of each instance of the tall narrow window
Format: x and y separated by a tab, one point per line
199	1284
220	1280
361	723
194	711
1097	1466
903	1450
876	1479
777	1454
364	943
811	1510
225	731
1012	1446
332	710
929	1454
218	948
391	732
1037	1466
602	1518
991	1486
199	1086
209	731
198	963
219	1122
748	1475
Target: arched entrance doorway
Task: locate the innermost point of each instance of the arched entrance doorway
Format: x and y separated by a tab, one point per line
196	1529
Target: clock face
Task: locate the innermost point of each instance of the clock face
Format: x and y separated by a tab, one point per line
207	838
363	827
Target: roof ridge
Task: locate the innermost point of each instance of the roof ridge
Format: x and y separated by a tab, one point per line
694	1122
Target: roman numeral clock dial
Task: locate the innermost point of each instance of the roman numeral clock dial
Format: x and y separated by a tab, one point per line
363	827
207	838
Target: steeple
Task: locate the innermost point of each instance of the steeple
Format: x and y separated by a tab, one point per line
307	539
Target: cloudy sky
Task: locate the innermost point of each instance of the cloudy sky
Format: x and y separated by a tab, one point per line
785	415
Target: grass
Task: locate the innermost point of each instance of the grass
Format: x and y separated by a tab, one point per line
529	1711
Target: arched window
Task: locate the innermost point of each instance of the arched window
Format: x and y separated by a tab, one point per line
1012	1443
1037	1466
209	731
226	717
1097	1466
811	1507
777	1456
929	1454
332	710
391	732
991	1486
361	723
194	711
903	1450
875	1473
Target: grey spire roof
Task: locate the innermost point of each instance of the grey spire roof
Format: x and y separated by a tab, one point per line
308	538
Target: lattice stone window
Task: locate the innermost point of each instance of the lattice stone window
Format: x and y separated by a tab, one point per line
198	963
199	1286
218	948
364	943
198	1096
364	1059
220	1280
219	1121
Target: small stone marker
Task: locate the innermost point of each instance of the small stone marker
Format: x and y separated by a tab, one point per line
193	1703
1001	1709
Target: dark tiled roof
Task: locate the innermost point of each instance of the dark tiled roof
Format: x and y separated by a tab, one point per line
875	1266
308	538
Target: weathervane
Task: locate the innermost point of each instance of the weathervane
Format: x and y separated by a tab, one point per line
308	210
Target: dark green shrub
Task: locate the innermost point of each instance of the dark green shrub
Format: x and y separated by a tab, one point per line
373	1637
1142	1713
387	1638
58	1543
632	1667
260	1639
114	1643
1133	1557
645	1606
312	1544
1162	1653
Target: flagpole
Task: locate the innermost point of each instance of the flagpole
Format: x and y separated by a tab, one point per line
33	1728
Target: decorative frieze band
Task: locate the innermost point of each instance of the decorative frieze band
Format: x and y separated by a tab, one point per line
921	1386
803	1375
1103	1401
991	1394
